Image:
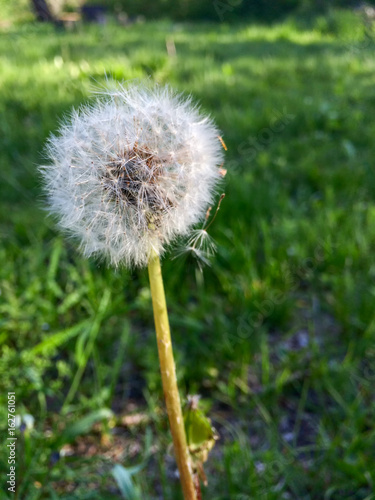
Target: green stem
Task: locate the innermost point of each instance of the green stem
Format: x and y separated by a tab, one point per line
168	375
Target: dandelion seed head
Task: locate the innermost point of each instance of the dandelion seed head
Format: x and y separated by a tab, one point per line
133	171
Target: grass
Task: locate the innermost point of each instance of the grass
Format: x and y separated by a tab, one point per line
277	336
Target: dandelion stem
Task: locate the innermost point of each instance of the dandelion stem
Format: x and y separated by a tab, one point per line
168	374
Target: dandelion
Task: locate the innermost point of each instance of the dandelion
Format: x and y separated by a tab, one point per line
127	176
132	172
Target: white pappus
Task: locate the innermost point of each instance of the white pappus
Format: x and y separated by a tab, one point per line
133	171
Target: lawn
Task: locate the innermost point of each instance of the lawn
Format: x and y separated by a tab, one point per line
277	335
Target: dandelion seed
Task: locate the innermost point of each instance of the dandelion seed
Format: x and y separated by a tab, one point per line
132	172
201	257
200	244
199	238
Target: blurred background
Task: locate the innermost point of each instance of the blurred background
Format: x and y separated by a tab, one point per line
277	335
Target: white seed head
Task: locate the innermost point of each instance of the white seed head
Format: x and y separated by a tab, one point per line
132	172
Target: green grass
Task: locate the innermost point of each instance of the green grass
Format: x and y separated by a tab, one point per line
277	336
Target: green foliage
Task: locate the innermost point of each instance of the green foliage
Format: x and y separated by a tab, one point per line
123	477
15	11
278	335
200	436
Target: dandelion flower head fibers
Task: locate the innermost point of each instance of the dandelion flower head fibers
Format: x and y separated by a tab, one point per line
132	172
